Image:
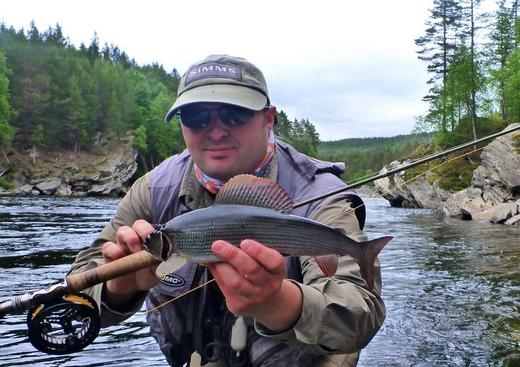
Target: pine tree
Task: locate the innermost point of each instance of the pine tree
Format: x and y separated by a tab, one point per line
6	130
502	45
437	47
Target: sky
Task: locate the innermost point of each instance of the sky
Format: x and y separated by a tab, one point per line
350	67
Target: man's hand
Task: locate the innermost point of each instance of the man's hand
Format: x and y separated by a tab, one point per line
120	290
252	280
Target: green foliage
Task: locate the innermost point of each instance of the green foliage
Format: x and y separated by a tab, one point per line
62	97
462	132
6	130
5	184
301	134
516	143
459	66
455	175
139	139
365	156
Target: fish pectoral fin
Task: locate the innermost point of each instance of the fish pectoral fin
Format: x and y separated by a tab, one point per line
173	263
328	264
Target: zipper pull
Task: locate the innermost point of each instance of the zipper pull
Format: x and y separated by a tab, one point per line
239	335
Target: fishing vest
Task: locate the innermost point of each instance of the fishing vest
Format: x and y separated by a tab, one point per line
200	321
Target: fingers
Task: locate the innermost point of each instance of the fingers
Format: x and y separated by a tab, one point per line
128	240
268	258
248	276
251	259
143	229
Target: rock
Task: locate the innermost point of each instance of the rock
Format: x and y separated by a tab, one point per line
513	221
499	213
465	204
114	175
48	187
494	194
416	194
366	191
64	190
24	190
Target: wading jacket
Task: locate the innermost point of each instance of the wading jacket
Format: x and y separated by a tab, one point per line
340	315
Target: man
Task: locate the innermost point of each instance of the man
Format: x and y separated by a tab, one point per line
290	314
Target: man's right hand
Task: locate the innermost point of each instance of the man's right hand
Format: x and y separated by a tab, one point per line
117	292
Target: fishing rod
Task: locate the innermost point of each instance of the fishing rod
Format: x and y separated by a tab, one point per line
61	320
407	166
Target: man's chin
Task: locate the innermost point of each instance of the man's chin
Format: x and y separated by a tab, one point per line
220	171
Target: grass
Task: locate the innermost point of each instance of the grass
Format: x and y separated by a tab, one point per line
5	184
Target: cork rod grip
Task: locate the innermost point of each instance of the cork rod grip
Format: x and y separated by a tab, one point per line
111	270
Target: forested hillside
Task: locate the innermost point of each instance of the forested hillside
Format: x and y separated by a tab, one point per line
365	156
56	96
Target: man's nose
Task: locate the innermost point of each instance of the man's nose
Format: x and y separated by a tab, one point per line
217	129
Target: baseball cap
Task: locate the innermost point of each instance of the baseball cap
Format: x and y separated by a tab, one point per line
223	79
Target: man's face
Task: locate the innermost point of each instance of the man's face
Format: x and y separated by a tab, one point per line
223	151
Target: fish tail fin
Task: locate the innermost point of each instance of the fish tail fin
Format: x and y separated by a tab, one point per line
328	264
369	251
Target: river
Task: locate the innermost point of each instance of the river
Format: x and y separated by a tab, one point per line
452	288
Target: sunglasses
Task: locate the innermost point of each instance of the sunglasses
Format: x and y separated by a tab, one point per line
197	117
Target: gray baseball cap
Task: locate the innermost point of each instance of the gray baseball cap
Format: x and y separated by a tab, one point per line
222	79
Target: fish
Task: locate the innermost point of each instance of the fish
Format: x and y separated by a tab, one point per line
256	208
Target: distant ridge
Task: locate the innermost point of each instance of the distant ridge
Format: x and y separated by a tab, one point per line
364	156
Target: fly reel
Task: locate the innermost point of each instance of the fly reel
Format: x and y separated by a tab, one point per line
64	325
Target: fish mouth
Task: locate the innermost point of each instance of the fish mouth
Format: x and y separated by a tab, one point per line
166	247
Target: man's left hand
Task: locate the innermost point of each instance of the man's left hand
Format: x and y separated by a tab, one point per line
252	280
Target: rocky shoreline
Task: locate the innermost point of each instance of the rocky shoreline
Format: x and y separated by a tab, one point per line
493	196
105	171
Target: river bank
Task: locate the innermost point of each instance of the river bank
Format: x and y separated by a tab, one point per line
104	170
491	195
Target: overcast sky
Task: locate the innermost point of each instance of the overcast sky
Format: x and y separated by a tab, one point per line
350	67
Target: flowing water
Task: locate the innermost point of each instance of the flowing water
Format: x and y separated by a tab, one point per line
452	288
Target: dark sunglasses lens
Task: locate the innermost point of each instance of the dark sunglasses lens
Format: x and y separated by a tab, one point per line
235	116
194	118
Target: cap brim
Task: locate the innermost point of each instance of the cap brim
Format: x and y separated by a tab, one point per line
221	93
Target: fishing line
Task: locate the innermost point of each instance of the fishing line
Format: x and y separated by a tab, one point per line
180	296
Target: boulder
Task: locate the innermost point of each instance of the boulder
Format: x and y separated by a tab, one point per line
465	204
24	190
515	220
499	213
494	195
418	193
114	175
49	186
64	190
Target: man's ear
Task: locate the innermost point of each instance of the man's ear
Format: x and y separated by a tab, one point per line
270	114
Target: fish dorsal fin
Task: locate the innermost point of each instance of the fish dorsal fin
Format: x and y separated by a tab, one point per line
254	191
